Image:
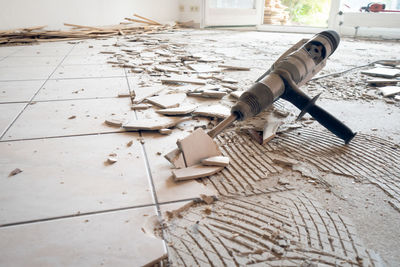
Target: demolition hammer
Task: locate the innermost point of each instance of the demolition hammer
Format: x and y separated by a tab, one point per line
292	70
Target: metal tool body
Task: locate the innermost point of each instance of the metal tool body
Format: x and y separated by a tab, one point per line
293	69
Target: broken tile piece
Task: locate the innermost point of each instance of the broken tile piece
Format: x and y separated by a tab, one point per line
140	106
216	161
167	101
269	131
175	157
112	158
213	94
114	122
382	82
382	72
181	110
153	124
236	94
204	68
389	90
197	146
194	172
218	111
165	131
166	69
231	67
15	172
141	93
183	79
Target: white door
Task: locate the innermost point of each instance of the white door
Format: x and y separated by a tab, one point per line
232	12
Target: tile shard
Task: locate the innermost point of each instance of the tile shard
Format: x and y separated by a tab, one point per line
167	101
153	124
114	122
197	146
141	93
269	131
231	67
194	172
175	157
183	79
218	111
181	110
382	72
216	161
389	90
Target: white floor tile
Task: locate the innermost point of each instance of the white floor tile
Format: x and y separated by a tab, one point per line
64	176
82	88
86	71
110	239
8	112
46	119
31	61
17	91
25	73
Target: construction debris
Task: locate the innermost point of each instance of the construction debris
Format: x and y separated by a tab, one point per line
216	161
389	90
167	101
153	124
382	72
114	122
198	146
15	172
38	34
181	110
194	172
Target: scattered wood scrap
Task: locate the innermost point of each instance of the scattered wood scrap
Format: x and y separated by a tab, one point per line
77	32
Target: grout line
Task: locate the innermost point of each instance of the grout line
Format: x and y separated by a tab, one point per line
56	79
12	53
74	215
82	214
62	136
19	114
150	177
64	99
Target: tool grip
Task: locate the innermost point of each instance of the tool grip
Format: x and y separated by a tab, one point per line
305	104
331	123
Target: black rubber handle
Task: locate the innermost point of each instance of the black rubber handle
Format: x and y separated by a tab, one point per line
301	101
331	123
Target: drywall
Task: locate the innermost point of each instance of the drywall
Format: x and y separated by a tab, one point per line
21	13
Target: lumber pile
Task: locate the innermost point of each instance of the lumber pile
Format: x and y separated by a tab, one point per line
136	25
275	13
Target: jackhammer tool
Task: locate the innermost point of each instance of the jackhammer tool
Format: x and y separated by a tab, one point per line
292	70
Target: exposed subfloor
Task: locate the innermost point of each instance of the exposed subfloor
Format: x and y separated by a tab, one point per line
324	203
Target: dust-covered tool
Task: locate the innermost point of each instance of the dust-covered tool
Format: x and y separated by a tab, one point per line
292	70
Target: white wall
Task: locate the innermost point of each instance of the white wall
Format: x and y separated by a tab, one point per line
27	13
